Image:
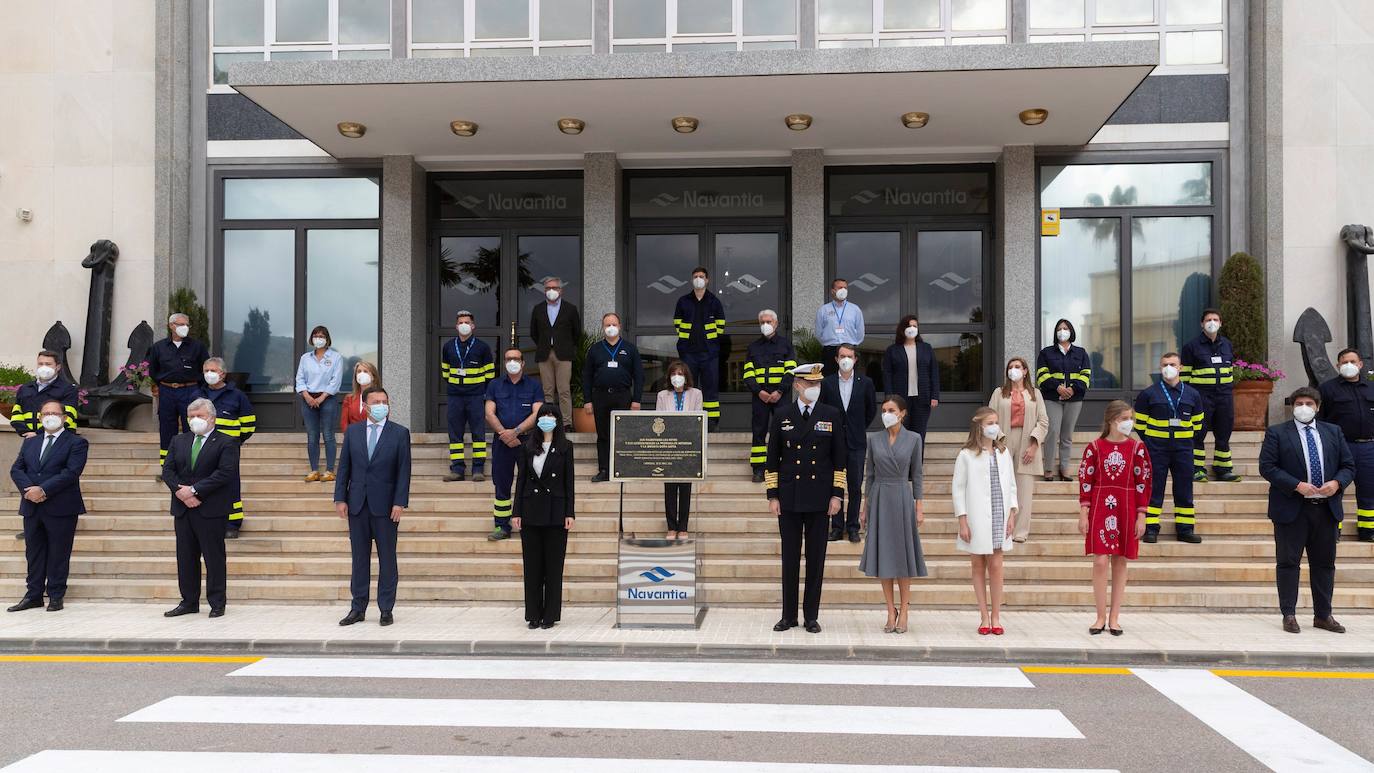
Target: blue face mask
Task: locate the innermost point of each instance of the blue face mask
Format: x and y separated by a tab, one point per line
547	423
378	411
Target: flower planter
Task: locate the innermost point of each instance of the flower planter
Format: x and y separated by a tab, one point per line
583	421
1252	403
6	409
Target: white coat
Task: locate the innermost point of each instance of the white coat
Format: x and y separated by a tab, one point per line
973	497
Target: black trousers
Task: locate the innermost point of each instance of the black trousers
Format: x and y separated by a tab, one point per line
847	519
1315	531
48	550
792	527
201	539
364	529
172	403
543	549
603	402
918	415
761	417
677	503
828	355
1218	418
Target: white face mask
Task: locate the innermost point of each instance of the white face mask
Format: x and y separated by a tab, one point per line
45	372
363	378
514	366
182	331
842	293
846	364
1062	335
891	420
464	329
1125	426
1015	375
552	295
1348	369
212	377
198	425
992	431
612	331
911	332
678	380
1169	372
766	329
812	394
699	282
52	422
1211	326
1304	413
318	342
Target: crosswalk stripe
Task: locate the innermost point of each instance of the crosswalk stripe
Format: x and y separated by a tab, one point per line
642	671
1260	730
237	762
631	715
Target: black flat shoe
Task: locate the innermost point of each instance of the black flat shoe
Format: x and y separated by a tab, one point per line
836	535
783	625
26	604
387	619
1190	538
179	610
1150	537
55	605
1116	631
231	534
812	626
1096	631
351	618
548	624
217	612
854	537
601	477
533	624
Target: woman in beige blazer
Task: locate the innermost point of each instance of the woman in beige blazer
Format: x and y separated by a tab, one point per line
679	396
1022	414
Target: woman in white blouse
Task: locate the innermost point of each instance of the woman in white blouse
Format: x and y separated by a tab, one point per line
985	503
679	396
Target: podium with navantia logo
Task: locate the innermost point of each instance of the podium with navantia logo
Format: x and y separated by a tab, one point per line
657	585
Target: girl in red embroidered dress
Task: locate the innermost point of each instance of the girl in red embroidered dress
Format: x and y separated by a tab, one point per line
1113	492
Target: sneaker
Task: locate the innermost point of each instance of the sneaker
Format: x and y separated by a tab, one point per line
313	476
1151	537
454	476
1199	476
327	477
478	477
1227	476
1189	537
498	534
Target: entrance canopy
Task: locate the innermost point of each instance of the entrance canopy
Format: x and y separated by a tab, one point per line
856	98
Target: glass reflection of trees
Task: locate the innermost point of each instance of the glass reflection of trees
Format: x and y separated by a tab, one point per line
482	272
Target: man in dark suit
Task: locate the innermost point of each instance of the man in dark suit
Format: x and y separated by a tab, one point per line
201	468
1308	465
805	472
372	492
48	473
555	328
855	396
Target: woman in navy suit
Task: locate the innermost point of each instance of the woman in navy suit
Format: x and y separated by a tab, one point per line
543	512
911	372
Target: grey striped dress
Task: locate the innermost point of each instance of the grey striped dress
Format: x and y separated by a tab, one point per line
892	484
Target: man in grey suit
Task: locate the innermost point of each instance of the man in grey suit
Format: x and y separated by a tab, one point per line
372	492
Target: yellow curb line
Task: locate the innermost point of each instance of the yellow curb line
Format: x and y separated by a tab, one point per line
1075	670
124	659
1297	674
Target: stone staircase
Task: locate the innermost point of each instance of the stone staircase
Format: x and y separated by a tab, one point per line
293	548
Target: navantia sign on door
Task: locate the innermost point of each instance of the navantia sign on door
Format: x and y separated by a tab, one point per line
509	199
696	197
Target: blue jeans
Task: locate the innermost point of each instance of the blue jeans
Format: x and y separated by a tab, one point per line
321	420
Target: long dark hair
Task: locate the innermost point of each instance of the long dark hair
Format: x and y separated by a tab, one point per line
535	442
909	319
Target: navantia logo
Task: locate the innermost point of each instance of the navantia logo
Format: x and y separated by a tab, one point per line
664	199
657	574
950	281
866	196
666	284
746	284
469	201
868	282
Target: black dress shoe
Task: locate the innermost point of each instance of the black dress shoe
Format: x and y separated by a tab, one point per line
181	609
26	604
783	625
812	626
55	605
854	537
217	612
533	624
548	624
387	619
1227	476
601	477
231	533
758	476
1367	536
1151	537
1290	624
1328	624
1190	538
454	477
351	618
836	535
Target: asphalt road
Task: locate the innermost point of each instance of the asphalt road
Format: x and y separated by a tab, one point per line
482	715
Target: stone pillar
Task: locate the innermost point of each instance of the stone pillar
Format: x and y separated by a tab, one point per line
172	148
601	239
808	237
1017	231
806	24
1264	74
1019	23
601	27
403	289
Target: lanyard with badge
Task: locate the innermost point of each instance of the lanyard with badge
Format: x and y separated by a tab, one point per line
1173	406
462	355
839	317
612	351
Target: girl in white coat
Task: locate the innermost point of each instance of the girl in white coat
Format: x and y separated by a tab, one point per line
985	504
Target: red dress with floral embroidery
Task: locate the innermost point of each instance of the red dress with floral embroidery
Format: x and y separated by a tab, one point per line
1114	483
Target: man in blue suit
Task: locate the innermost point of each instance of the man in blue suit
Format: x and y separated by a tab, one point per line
372	492
1308	465
855	397
48	472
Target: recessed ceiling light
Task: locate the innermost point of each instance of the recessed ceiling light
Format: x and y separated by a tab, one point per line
1034	116
463	128
571	125
352	129
685	124
915	120
798	122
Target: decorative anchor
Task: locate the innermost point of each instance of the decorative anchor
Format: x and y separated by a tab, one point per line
1311	331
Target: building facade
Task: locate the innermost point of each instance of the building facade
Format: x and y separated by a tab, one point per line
377	165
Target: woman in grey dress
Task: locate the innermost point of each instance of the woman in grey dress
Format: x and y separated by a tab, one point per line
892	510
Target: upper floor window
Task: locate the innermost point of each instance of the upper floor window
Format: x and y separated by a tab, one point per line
500	27
869	23
294	30
702	25
1191	33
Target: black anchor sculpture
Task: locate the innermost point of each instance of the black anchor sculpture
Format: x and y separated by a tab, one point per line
1311	331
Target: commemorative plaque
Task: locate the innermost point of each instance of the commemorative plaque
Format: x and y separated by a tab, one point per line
658	445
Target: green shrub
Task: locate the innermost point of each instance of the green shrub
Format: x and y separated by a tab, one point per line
1241	287
584	342
185	301
807	346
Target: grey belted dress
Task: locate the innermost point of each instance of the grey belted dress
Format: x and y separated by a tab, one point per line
892	484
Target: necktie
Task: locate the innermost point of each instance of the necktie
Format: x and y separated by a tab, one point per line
806	413
195	450
372	438
47	446
1314	462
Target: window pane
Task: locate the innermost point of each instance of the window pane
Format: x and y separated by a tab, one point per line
642	48
871	262
302	21
770	17
377	53
761	45
910	42
341	278
542	257
1125	11
238	22
1126	36
845	44
470	279
746	275
364	21
961	361
222	62
1080	281
1193	47
1123	185
565	20
911	15
300	197
1194	12
501	19
1055	38
526	51
949	276
982	40
300	56
1171	283
260	308
564	50
701	48
435	53
839	16
436	21
701	16
655	352
1055	13
639	19
662	266
979	14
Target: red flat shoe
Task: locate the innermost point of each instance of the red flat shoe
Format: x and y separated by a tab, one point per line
998	631
983	630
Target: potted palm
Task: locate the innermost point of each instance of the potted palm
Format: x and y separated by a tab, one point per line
1241	287
581	420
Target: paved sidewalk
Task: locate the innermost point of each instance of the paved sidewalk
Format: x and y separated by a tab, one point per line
1037	637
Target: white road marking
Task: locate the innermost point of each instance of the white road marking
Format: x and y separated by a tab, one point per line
630	671
620	715
237	762
1260	730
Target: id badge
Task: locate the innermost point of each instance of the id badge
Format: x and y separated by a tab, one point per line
1175	422
1216	360
462	371
612	364
839	330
